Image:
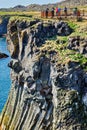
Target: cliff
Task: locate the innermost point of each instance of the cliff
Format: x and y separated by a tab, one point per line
48	90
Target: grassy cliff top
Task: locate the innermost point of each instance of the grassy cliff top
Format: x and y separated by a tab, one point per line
65	55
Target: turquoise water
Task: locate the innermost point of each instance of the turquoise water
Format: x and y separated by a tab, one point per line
5	81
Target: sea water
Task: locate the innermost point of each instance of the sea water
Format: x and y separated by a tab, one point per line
5	81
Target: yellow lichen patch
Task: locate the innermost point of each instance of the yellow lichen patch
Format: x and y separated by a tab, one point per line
12	127
5	121
48	46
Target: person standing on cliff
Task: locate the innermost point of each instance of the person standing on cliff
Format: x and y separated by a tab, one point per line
47	12
75	11
65	11
57	11
52	12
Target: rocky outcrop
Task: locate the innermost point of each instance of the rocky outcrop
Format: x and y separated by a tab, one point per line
38	34
45	95
78	44
2	55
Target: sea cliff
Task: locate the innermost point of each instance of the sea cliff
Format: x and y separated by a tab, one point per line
47	92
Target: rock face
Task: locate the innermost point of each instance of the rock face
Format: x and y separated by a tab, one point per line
2	55
45	95
78	44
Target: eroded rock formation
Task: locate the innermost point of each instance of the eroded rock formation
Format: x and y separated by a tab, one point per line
45	95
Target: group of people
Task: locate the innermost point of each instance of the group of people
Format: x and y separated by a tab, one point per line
58	10
76	12
52	12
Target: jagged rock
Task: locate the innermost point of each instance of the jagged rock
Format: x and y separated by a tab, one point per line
45	71
79	44
15	65
2	55
38	85
37	35
36	70
63	29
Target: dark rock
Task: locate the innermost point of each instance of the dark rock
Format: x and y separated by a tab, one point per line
45	71
15	65
63	29
2	55
38	85
78	44
36	70
13	28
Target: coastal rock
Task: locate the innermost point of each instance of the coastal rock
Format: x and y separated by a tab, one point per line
15	65
2	55
45	95
37	37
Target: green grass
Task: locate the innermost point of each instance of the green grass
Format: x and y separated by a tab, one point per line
78	57
18	13
73	25
77	27
27	16
64	54
21	18
63	39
